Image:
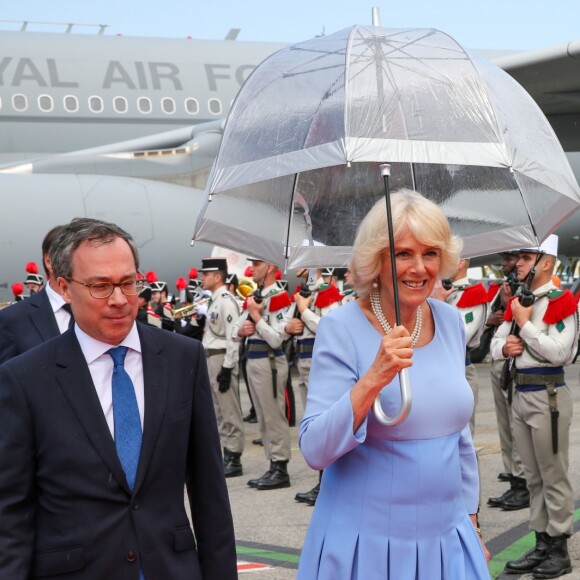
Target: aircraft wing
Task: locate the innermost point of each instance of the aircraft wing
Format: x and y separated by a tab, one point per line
552	77
171	156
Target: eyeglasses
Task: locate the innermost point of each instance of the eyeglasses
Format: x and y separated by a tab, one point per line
101	290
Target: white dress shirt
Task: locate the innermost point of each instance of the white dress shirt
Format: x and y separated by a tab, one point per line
101	368
57	302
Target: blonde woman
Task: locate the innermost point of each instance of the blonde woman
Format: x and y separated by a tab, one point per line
396	503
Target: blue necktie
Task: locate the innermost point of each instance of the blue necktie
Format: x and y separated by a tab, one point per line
126	415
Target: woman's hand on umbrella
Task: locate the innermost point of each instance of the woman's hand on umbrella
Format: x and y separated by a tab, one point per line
394	355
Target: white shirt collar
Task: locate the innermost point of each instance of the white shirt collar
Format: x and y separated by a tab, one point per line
93	348
56	299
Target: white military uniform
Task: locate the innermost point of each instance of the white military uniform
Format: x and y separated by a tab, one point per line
267	370
324	300
222	351
471	301
547	348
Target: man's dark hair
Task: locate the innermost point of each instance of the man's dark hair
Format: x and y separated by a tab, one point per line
47	242
71	236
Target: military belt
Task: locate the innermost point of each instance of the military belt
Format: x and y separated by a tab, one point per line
540	379
536	379
261	349
304	347
214	351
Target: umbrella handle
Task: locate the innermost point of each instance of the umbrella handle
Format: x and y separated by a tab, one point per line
406	401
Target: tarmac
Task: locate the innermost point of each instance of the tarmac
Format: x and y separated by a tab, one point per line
270	525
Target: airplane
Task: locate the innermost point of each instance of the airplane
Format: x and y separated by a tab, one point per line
126	128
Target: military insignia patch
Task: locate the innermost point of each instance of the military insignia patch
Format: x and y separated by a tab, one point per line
279	316
560	326
229	318
469	317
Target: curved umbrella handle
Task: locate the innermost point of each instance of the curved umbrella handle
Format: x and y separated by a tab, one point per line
406	401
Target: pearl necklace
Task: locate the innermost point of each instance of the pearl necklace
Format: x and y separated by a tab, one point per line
378	312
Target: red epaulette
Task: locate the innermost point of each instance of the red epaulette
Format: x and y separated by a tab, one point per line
560	306
279	301
245	304
151	312
508	315
327	297
492	290
472	296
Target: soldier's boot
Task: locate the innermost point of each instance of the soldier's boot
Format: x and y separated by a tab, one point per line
232	463
309	497
497	501
532	558
265	477
278	479
520	498
558	561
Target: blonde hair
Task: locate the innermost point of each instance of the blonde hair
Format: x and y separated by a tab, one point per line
412	213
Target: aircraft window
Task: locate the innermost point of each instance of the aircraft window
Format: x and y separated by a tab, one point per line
144	104
96	104
71	104
19	102
168	105
45	103
215	106
192	106
120	104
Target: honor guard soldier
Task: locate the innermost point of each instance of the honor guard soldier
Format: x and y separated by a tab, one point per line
539	338
146	314
348	292
263	324
34	281
161	303
312	300
499	292
17	290
471	300
222	354
232	286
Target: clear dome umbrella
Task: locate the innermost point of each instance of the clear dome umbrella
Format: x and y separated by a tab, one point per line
304	140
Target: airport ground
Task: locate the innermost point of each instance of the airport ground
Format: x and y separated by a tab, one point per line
271	525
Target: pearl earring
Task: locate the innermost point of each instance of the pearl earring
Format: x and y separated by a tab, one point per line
375	284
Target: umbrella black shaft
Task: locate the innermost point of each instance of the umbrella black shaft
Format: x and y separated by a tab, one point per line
392	250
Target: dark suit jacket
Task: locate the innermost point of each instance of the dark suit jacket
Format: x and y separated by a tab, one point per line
66	510
25	325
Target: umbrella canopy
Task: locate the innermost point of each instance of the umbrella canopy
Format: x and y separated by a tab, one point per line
298	167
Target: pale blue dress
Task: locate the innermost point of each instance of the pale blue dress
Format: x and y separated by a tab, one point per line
394	502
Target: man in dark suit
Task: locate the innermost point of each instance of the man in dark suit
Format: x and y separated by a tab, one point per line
95	452
37	319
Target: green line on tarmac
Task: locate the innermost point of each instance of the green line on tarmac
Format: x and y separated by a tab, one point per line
267	554
515	551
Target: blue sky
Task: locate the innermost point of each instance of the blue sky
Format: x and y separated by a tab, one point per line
487	24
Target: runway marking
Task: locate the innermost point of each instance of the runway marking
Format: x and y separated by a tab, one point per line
269	555
252	566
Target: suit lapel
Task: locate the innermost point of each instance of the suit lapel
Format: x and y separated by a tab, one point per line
42	316
156	379
74	377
